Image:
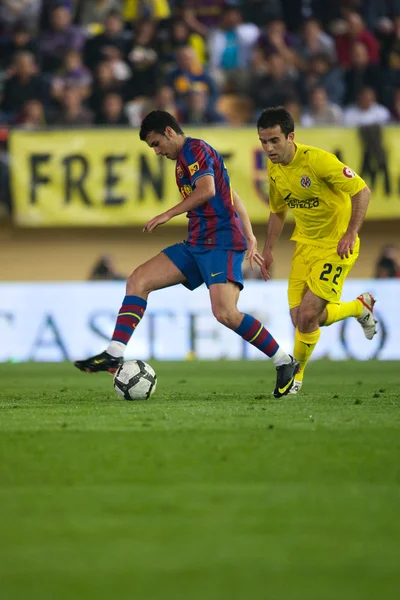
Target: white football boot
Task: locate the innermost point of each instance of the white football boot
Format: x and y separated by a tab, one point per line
296	387
367	319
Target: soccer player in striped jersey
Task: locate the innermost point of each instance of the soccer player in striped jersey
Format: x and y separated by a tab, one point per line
219	237
329	202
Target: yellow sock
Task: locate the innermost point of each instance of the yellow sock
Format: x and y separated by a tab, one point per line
304	344
338	312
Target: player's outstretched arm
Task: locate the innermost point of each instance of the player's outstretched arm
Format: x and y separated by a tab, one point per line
359	204
275	225
252	254
204	191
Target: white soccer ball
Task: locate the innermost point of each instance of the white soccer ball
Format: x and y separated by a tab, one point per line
135	380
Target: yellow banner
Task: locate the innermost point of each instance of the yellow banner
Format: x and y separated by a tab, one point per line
100	178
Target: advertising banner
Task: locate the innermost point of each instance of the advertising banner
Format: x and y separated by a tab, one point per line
110	178
68	321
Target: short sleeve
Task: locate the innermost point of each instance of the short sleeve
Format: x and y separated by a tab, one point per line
199	161
338	175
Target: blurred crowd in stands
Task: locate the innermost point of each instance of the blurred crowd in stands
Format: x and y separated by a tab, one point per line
109	62
81	63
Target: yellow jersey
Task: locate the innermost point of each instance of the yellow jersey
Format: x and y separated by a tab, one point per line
317	187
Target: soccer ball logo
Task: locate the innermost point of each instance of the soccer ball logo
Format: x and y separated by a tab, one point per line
305	181
135	380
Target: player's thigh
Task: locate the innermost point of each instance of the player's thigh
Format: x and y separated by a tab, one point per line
299	273
329	272
224	298
220	266
157	273
182	258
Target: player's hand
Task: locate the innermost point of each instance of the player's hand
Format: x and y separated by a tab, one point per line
346	245
156	221
265	265
252	253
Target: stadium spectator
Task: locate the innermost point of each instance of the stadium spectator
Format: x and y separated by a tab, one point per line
103	46
360	74
388	265
314	41
24	13
21	39
92	14
32	115
322	73
104	270
61	36
295	109
73	73
275	39
355	31
261	11
366	111
200	16
104	83
396	105
143	60
321	111
391	61
276	87
190	76
177	35
112	111
163	99
23	85
230	46
197	111
71	113
134	10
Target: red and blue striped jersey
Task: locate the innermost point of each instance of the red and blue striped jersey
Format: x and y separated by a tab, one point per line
214	224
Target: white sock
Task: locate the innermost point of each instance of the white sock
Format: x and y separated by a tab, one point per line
281	358
116	349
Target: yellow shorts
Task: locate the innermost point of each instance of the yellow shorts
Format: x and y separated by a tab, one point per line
319	269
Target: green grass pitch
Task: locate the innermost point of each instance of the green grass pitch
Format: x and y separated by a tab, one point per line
210	490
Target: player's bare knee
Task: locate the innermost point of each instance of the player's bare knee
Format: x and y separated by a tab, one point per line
137	282
226	317
306	320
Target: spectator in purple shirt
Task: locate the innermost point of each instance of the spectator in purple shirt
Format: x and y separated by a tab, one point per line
62	36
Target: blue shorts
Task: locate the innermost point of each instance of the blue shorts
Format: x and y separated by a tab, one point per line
203	265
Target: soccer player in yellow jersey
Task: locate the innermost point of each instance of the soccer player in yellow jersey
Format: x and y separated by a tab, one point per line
329	202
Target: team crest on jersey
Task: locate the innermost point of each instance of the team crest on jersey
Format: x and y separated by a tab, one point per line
349	173
179	171
305	181
194	168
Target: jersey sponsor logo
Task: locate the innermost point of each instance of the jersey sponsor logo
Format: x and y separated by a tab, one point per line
349	173
194	168
185	191
179	171
309	203
305	181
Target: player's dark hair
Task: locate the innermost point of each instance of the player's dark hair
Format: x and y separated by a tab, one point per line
158	121
271	117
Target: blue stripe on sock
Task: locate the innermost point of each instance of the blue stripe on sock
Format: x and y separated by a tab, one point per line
245	325
124	328
135	300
